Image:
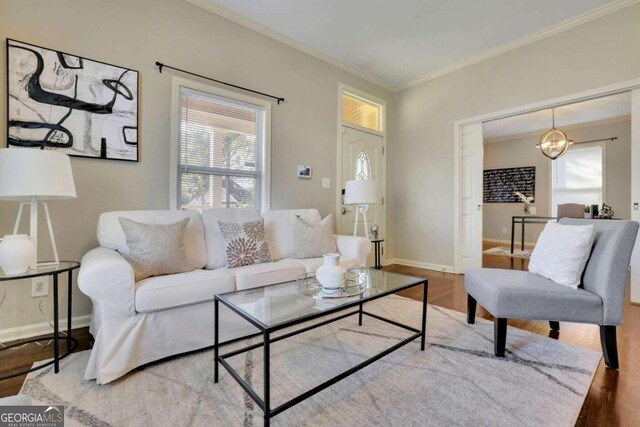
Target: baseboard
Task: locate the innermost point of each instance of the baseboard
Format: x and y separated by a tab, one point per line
508	242
36	329
418	264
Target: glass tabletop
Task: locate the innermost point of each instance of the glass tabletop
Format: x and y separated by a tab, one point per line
285	303
41	270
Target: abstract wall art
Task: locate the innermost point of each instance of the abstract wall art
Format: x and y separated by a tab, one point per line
65	102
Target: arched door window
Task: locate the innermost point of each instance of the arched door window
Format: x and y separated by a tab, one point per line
363	167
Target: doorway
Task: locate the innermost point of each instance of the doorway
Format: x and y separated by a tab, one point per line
467	247
361	156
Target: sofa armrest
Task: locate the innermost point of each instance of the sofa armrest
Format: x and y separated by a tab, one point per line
108	279
355	247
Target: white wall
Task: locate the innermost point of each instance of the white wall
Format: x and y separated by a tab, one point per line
135	34
521	151
421	149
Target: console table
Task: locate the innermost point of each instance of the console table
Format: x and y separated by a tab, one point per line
526	219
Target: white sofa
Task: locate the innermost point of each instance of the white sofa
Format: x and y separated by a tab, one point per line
137	323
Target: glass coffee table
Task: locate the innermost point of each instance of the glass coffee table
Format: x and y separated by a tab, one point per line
273	308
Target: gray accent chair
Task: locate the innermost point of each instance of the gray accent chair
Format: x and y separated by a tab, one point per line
523	295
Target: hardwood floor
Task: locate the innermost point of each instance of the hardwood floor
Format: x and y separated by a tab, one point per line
614	396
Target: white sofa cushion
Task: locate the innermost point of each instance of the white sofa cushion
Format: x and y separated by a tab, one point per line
175	290
111	235
254	276
216	252
312	264
278	226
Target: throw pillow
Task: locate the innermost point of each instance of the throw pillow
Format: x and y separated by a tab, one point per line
314	241
562	252
245	243
155	249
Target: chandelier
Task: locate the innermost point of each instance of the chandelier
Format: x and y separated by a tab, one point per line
554	142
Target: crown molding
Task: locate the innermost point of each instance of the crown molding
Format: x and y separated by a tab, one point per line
532	38
594	14
259	28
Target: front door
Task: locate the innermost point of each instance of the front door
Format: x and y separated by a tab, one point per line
362	159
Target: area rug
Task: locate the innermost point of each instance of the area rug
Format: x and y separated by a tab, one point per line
456	381
505	251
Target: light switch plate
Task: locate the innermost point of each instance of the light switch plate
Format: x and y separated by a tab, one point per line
326	183
40	286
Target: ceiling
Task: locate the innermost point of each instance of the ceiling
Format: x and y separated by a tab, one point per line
593	110
403	42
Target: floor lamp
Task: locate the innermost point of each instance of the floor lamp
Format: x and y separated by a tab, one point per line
34	177
361	193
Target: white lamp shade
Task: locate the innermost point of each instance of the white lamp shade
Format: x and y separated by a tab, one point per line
27	173
360	192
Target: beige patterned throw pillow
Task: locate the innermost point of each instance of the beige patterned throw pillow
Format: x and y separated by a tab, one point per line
155	249
314	241
245	243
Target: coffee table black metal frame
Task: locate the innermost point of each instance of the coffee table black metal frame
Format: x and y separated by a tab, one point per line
72	343
266	331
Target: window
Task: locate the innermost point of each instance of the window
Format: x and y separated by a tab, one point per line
578	177
360	112
221	151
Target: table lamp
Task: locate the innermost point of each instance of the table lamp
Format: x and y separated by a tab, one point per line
360	193
33	177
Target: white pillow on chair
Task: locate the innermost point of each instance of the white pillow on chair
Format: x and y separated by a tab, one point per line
562	252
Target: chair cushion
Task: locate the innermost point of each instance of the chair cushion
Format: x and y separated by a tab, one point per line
111	235
175	290
279	229
312	264
254	276
216	252
524	295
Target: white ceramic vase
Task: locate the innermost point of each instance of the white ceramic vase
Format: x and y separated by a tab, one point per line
331	274
16	253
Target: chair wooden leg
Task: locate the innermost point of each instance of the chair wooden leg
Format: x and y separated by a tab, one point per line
554	325
471	310
609	345
500	336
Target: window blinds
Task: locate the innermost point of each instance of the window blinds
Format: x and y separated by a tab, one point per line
219	149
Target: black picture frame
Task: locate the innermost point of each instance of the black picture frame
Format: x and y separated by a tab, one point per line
499	185
73	104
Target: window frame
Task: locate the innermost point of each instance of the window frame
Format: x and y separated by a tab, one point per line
263	155
603	147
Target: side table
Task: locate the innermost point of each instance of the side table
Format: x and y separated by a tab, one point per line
49	270
376	253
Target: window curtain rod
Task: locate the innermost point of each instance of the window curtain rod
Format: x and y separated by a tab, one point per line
613	138
160	66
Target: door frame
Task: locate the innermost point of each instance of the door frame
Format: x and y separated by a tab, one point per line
515	111
383	124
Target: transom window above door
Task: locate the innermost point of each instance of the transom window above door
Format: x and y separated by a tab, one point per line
221	147
360	112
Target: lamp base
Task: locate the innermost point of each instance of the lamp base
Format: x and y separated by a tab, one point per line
33	230
361	209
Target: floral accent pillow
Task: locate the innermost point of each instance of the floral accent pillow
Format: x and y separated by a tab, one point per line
245	243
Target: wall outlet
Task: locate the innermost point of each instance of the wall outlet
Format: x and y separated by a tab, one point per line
326	183
39	287
504	230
